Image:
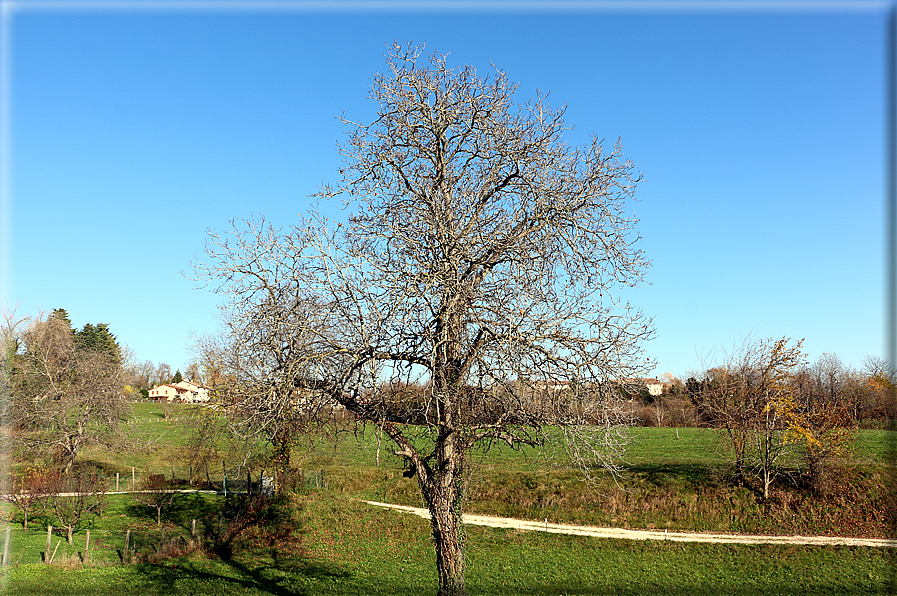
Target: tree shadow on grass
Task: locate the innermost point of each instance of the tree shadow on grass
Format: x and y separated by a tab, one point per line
189	506
184	508
177	577
691	475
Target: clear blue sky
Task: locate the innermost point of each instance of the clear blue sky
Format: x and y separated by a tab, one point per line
759	131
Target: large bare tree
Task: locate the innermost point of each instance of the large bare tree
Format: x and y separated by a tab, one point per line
65	397
482	260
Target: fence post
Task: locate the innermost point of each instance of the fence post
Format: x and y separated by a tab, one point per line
6	549
127	544
55	549
49	544
133	478
87	543
116	482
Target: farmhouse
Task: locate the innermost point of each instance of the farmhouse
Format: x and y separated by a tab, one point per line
654	386
550	385
183	391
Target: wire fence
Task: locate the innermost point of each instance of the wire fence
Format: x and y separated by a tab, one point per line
140	541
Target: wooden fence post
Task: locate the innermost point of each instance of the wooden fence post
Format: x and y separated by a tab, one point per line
133	478
6	549
49	544
127	544
116	482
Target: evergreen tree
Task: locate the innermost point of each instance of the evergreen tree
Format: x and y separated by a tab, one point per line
60	314
97	338
177	377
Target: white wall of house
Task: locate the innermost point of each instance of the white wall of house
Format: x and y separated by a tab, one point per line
183	391
163	393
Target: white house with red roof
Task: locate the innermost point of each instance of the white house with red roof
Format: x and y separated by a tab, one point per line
183	391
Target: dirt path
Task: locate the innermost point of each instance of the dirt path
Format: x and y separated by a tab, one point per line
504	522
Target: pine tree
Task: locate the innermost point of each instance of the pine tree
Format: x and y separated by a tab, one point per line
61	314
98	339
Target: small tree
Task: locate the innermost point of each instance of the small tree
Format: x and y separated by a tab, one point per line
723	402
31	486
74	496
156	493
752	397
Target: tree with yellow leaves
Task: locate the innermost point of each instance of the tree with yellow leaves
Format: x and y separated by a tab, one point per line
751	397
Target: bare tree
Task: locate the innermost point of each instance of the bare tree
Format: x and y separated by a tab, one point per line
10	342
30	487
754	398
260	400
482	261
156	493
162	374
74	496
66	397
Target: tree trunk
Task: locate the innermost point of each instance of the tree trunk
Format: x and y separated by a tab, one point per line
448	542
69	464
446	495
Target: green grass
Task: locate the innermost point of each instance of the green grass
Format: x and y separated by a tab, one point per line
120	514
349	548
677	480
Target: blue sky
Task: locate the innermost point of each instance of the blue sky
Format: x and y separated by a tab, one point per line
759	129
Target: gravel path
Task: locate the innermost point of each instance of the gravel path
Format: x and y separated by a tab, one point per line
505	522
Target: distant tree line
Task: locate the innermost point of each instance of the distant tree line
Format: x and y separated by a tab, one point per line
867	395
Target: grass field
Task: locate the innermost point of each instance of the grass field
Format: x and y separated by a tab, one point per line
348	548
341	546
